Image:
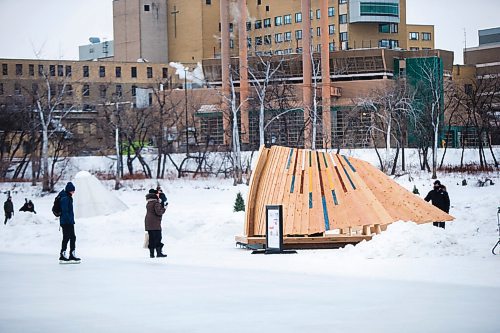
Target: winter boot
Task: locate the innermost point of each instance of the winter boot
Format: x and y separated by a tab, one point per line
73	257
151	253
62	256
159	254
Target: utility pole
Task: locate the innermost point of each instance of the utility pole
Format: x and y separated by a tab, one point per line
186	108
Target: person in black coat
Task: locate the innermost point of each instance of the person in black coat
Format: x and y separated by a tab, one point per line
439	198
8	208
28	206
67	223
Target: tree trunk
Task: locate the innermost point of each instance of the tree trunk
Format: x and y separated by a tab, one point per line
45	158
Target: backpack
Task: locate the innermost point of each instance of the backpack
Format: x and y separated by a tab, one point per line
56	207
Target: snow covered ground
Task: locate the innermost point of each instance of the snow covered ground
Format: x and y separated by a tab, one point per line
412	278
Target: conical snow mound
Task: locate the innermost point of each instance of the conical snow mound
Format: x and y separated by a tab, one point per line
91	198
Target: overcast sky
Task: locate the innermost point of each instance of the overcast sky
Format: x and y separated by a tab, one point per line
57	27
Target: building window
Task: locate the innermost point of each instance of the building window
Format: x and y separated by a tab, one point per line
118	71
287	19
414	48
318	31
258	24
342	2
267	8
102	71
231	27
298	34
69	90
278	20
259	2
17	89
343	36
379	9
278	38
426	36
208	2
5	70
164	72
60	70
413	35
86	71
1	88
102	91
318	14
343	19
231	43
298	50
31	70
331	11
298	17
134	90
267	40
19	69
249	26
146	8
258	41
331	29
119	90
331	47
249	42
311	15
133	72
288	36
40	70
68	70
86	90
149	71
388	28
267	22
388	43
52	70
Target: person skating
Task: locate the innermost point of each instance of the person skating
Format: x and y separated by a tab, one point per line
162	196
152	221
8	208
67	222
439	198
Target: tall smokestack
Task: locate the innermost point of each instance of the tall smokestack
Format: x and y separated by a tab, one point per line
225	63
325	75
245	132
306	70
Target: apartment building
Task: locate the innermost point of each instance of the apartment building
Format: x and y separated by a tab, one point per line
190	30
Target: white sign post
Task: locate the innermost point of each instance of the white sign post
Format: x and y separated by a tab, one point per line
274	229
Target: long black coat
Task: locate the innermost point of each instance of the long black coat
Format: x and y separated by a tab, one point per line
8	208
439	198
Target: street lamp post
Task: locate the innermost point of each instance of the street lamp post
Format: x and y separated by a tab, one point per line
186	109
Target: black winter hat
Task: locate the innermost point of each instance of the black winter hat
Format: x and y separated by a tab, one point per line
153	191
437	182
70	187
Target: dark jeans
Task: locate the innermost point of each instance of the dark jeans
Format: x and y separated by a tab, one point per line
438	224
154	239
68	231
7	217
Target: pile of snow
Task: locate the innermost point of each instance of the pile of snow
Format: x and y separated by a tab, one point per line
93	199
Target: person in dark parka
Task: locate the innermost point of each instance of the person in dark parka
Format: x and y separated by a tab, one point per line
28	207
152	221
67	222
8	208
439	198
162	196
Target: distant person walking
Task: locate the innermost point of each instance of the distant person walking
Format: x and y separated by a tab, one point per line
439	198
152	221
8	208
67	222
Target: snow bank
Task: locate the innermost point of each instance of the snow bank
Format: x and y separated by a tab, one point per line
93	199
